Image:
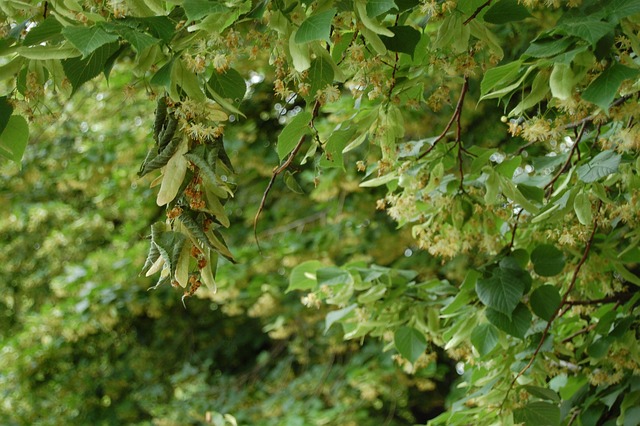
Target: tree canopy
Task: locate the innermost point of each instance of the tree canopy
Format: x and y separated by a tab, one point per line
393	211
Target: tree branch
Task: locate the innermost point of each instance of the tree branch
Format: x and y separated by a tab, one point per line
477	12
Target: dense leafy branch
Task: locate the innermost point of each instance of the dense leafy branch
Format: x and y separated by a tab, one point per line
559	309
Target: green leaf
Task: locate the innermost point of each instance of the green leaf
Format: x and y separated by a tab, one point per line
229	85
588	30
539	90
562	81
378	7
195	230
370	23
336	143
492	184
299	54
410	343
88	39
548	47
197	9
380	180
292	132
532	193
14	138
542	393
603	164
152	256
169	244
6	109
453	34
163	76
484	338
187	80
600	347
316	27
499	76
161	27
545	301
603	89
320	75
506	11
44	31
626	274
405	39
503	290
582	207
79	71
43	53
332	275
517	326
538	413
618	9
508	167
152	163
303	276
547	260
139	40
334	316
291	183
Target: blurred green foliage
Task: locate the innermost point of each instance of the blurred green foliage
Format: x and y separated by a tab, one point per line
82	339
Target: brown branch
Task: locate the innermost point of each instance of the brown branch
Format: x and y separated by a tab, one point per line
619	297
556	313
477	12
455	116
567	164
278	170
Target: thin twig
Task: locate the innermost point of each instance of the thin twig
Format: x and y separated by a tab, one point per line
619	297
477	12
295	224
515	228
567	164
579	332
555	315
456	115
278	170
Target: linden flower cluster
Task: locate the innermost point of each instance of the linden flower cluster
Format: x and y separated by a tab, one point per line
264	306
311	300
194	116
627	140
537	129
402	207
423	361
